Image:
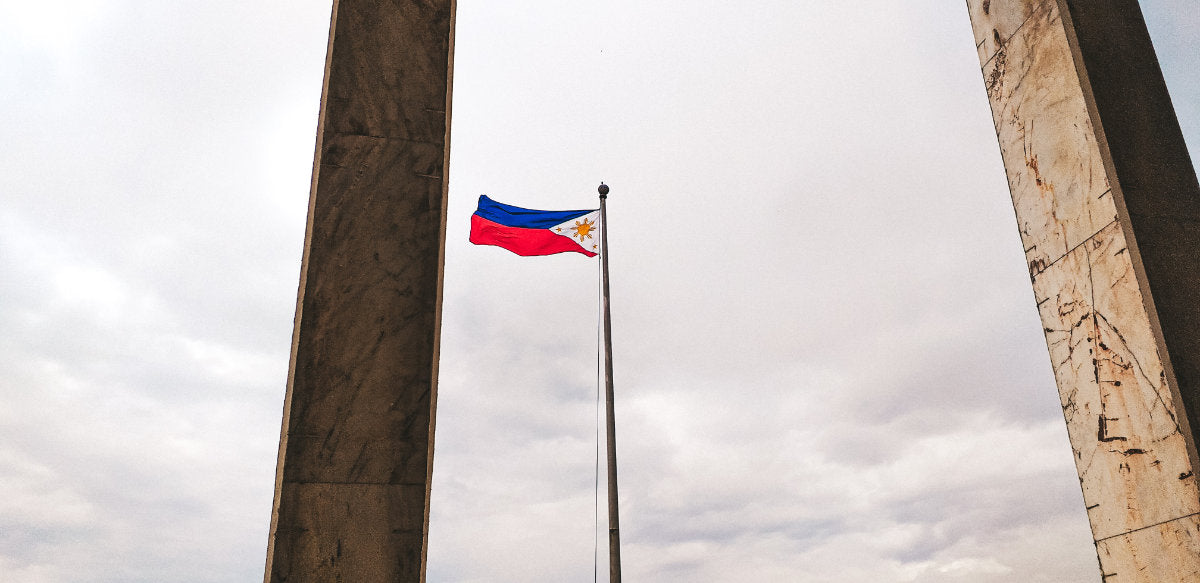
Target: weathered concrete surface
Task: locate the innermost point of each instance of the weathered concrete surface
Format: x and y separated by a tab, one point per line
1106	203
355	455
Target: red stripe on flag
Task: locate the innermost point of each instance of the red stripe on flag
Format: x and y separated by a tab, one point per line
521	241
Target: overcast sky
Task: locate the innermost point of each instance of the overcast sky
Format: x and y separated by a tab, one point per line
829	365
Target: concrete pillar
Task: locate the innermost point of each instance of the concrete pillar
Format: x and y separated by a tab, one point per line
356	450
1108	210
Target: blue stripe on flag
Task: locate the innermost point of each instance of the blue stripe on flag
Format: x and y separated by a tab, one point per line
515	216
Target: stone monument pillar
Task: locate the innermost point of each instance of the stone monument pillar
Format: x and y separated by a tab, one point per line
356	450
1108	210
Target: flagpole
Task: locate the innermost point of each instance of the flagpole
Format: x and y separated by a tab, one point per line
614	530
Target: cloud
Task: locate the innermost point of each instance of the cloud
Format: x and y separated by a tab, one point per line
151	241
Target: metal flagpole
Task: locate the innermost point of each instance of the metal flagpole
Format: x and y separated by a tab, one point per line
614	530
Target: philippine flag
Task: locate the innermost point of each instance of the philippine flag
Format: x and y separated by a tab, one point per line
532	232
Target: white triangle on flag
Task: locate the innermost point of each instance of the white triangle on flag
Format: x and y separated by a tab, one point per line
585	230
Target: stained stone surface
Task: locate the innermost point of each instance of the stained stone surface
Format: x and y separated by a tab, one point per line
1119	412
352	484
1163	552
1060	193
1098	223
996	21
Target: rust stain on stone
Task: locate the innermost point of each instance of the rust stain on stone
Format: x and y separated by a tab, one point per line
1037	266
995	79
1044	185
1102	432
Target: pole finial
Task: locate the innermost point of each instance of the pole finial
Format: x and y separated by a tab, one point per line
603	190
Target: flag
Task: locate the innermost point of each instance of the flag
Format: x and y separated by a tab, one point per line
532	232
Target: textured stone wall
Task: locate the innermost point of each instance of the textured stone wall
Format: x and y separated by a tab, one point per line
352	485
1095	182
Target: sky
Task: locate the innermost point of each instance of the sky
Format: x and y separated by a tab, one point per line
828	360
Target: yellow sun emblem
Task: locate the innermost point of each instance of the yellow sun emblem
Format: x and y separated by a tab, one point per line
583	230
